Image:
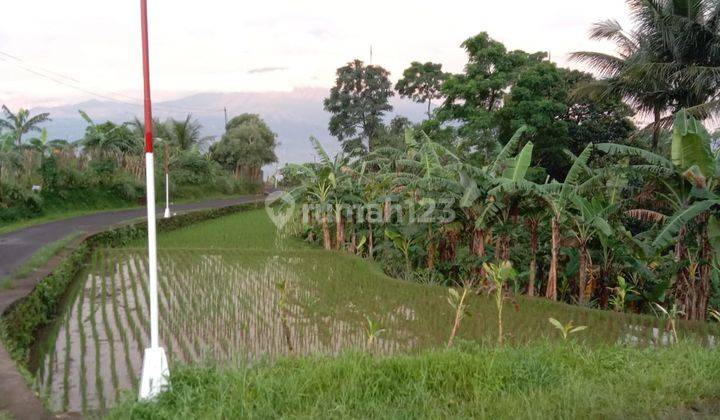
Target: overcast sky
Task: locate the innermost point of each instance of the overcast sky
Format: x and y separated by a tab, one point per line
231	45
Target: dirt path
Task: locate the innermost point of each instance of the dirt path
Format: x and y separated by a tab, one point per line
17	247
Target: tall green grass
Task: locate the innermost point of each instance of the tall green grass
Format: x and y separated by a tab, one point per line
539	381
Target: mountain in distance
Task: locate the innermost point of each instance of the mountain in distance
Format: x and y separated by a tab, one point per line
294	116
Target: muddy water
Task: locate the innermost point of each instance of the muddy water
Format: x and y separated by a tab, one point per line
213	307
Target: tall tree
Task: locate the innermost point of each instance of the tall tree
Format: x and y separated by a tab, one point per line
538	99
21	122
668	61
248	143
472	97
422	82
358	102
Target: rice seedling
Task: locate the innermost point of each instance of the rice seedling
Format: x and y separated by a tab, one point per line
83	346
109	334
97	360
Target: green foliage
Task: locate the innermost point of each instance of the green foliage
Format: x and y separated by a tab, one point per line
357	103
422	82
21	122
247	143
566	330
467	382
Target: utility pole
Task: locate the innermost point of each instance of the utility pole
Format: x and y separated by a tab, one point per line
225	109
155	368
370	54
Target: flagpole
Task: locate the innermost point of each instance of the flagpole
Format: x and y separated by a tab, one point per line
167	181
155	370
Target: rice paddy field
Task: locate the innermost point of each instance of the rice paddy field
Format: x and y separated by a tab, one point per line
232	291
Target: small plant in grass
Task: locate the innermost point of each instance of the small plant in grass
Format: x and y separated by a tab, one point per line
282	303
457	302
373	331
671	316
499	274
566	330
360	247
621	293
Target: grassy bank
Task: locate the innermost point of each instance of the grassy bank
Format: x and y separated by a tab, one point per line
539	381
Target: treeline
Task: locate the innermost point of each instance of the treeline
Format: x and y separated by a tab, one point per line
105	168
538	165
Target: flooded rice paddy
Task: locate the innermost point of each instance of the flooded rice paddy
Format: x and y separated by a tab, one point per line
233	305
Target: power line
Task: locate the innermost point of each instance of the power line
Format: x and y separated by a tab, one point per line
55	77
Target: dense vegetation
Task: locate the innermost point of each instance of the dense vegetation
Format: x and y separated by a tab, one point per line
542	166
106	168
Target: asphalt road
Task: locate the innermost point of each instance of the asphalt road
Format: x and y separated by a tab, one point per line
18	246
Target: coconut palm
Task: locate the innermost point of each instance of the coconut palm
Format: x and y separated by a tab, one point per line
670	60
185	134
21	122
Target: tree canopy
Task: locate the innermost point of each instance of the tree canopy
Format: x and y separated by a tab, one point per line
358	102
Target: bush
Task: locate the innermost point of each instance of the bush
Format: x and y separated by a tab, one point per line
18	202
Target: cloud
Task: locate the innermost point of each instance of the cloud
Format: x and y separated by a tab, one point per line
266	70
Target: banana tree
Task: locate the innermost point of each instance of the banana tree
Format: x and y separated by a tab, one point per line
405	239
690	178
319	184
558	197
488	190
587	221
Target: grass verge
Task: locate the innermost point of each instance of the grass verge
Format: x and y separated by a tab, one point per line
538	381
38	260
53	215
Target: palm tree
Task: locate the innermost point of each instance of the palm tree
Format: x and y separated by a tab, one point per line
669	61
185	134
21	122
108	138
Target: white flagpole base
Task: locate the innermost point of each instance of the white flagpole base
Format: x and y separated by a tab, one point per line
167	196
155	373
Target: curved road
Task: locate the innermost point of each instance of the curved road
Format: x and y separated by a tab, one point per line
18	246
